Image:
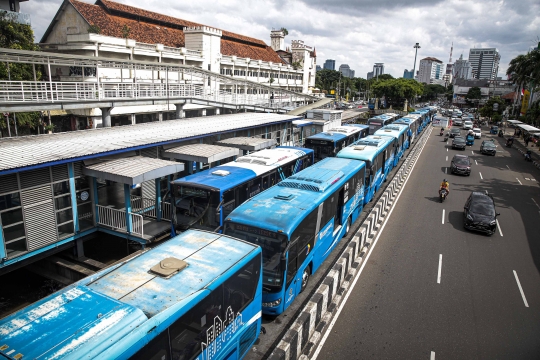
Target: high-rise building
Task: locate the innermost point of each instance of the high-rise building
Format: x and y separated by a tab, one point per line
346	70
431	71
369	75
408	74
329	64
378	69
318	68
485	63
462	69
449	67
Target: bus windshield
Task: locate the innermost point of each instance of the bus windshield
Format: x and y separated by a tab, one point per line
272	244
374	125
195	206
322	148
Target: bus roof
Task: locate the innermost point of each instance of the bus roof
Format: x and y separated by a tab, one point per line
246	167
282	207
90	315
367	148
328	136
394	130
361	126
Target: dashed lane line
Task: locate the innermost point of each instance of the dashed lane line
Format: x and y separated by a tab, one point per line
520	289
443	216
519	181
498	227
440	268
481	176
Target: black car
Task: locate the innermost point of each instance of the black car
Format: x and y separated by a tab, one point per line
480	214
454	132
488	147
459	143
461	164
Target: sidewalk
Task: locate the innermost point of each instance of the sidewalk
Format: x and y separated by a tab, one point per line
519	144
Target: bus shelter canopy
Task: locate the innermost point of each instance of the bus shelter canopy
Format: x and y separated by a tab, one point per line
203	153
247	143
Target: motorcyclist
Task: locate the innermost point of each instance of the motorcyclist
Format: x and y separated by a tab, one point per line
442	131
445	185
510	141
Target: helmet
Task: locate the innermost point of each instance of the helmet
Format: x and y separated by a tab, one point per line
444	180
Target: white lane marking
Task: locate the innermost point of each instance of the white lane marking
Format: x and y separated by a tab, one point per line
533	179
538	206
447	158
475	162
432	357
445	170
351	287
472	152
508	167
447	149
520	289
527	179
443	216
498	227
440	268
519	181
481	176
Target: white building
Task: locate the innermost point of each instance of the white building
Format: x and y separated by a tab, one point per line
11	10
431	71
114	30
485	63
462	69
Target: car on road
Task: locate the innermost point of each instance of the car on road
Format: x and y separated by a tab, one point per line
461	164
457	121
467	125
488	147
477	133
455	132
480	214
459	143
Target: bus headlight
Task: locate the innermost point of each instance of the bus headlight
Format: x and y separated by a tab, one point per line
272	303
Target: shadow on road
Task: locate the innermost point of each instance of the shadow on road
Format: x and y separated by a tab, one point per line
433	198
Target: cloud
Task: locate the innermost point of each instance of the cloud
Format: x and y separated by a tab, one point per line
360	32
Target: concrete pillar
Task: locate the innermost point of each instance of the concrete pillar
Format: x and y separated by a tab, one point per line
106	117
217	111
160	116
158	199
74	209
179	111
127	201
133	119
202	112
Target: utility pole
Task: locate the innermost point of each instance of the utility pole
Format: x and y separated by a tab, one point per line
416	47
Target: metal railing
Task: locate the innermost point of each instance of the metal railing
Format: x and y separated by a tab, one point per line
143	206
137	224
166	211
113	218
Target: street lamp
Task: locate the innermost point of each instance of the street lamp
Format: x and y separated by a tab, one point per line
416	46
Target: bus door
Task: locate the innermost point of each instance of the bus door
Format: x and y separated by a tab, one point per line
265	182
385	155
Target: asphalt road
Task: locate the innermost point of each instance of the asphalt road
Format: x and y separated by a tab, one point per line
404	307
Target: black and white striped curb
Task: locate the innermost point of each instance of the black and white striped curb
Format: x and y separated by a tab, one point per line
535	163
307	330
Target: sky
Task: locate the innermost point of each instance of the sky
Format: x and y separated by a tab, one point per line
358	32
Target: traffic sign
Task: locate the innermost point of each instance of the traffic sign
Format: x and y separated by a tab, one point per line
495	106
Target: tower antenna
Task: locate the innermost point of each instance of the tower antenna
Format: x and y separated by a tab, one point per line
451	50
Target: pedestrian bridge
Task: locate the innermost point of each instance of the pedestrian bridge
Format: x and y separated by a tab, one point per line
170	84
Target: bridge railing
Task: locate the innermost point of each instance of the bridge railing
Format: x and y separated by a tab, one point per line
42	91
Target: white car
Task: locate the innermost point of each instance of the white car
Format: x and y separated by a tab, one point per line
467	125
477	133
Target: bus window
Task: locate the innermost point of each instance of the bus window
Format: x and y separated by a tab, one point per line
272	179
240	289
265	181
305	235
229	203
157	349
190	331
241	192
329	210
291	264
254	187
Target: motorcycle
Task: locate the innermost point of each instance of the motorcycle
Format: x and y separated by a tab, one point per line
509	142
528	156
441	133
446	137
500	133
442	194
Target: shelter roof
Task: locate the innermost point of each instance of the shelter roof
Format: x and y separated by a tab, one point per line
204	153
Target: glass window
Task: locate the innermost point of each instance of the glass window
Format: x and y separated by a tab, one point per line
15	248
14	232
329	210
65	230
239	290
85	215
64	216
9	201
291	266
82	183
62	202
157	349
12	217
197	326
61	188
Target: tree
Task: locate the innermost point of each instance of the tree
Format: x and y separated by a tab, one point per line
21	37
326	79
397	90
524	70
474	93
285	31
432	90
125	31
487	109
94	29
296	65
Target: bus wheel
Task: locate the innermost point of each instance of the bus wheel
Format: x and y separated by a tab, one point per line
305	278
347	227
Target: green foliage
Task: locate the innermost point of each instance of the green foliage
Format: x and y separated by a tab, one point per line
524	69
533	114
327	79
285	31
397	90
473	93
94	29
384	77
296	65
487	109
125	31
432	90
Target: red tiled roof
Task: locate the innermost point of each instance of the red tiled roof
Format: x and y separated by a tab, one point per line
153	28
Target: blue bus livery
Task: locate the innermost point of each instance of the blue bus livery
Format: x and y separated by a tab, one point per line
414	122
399	133
174	301
412	127
377	122
424	115
378	154
204	199
329	143
298	223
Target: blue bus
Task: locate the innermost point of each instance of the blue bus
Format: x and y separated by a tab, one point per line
412	127
204	199
298	223
399	133
371	104
424	116
329	143
377	122
378	154
174	301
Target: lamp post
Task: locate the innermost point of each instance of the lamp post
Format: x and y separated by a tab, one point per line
416	46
